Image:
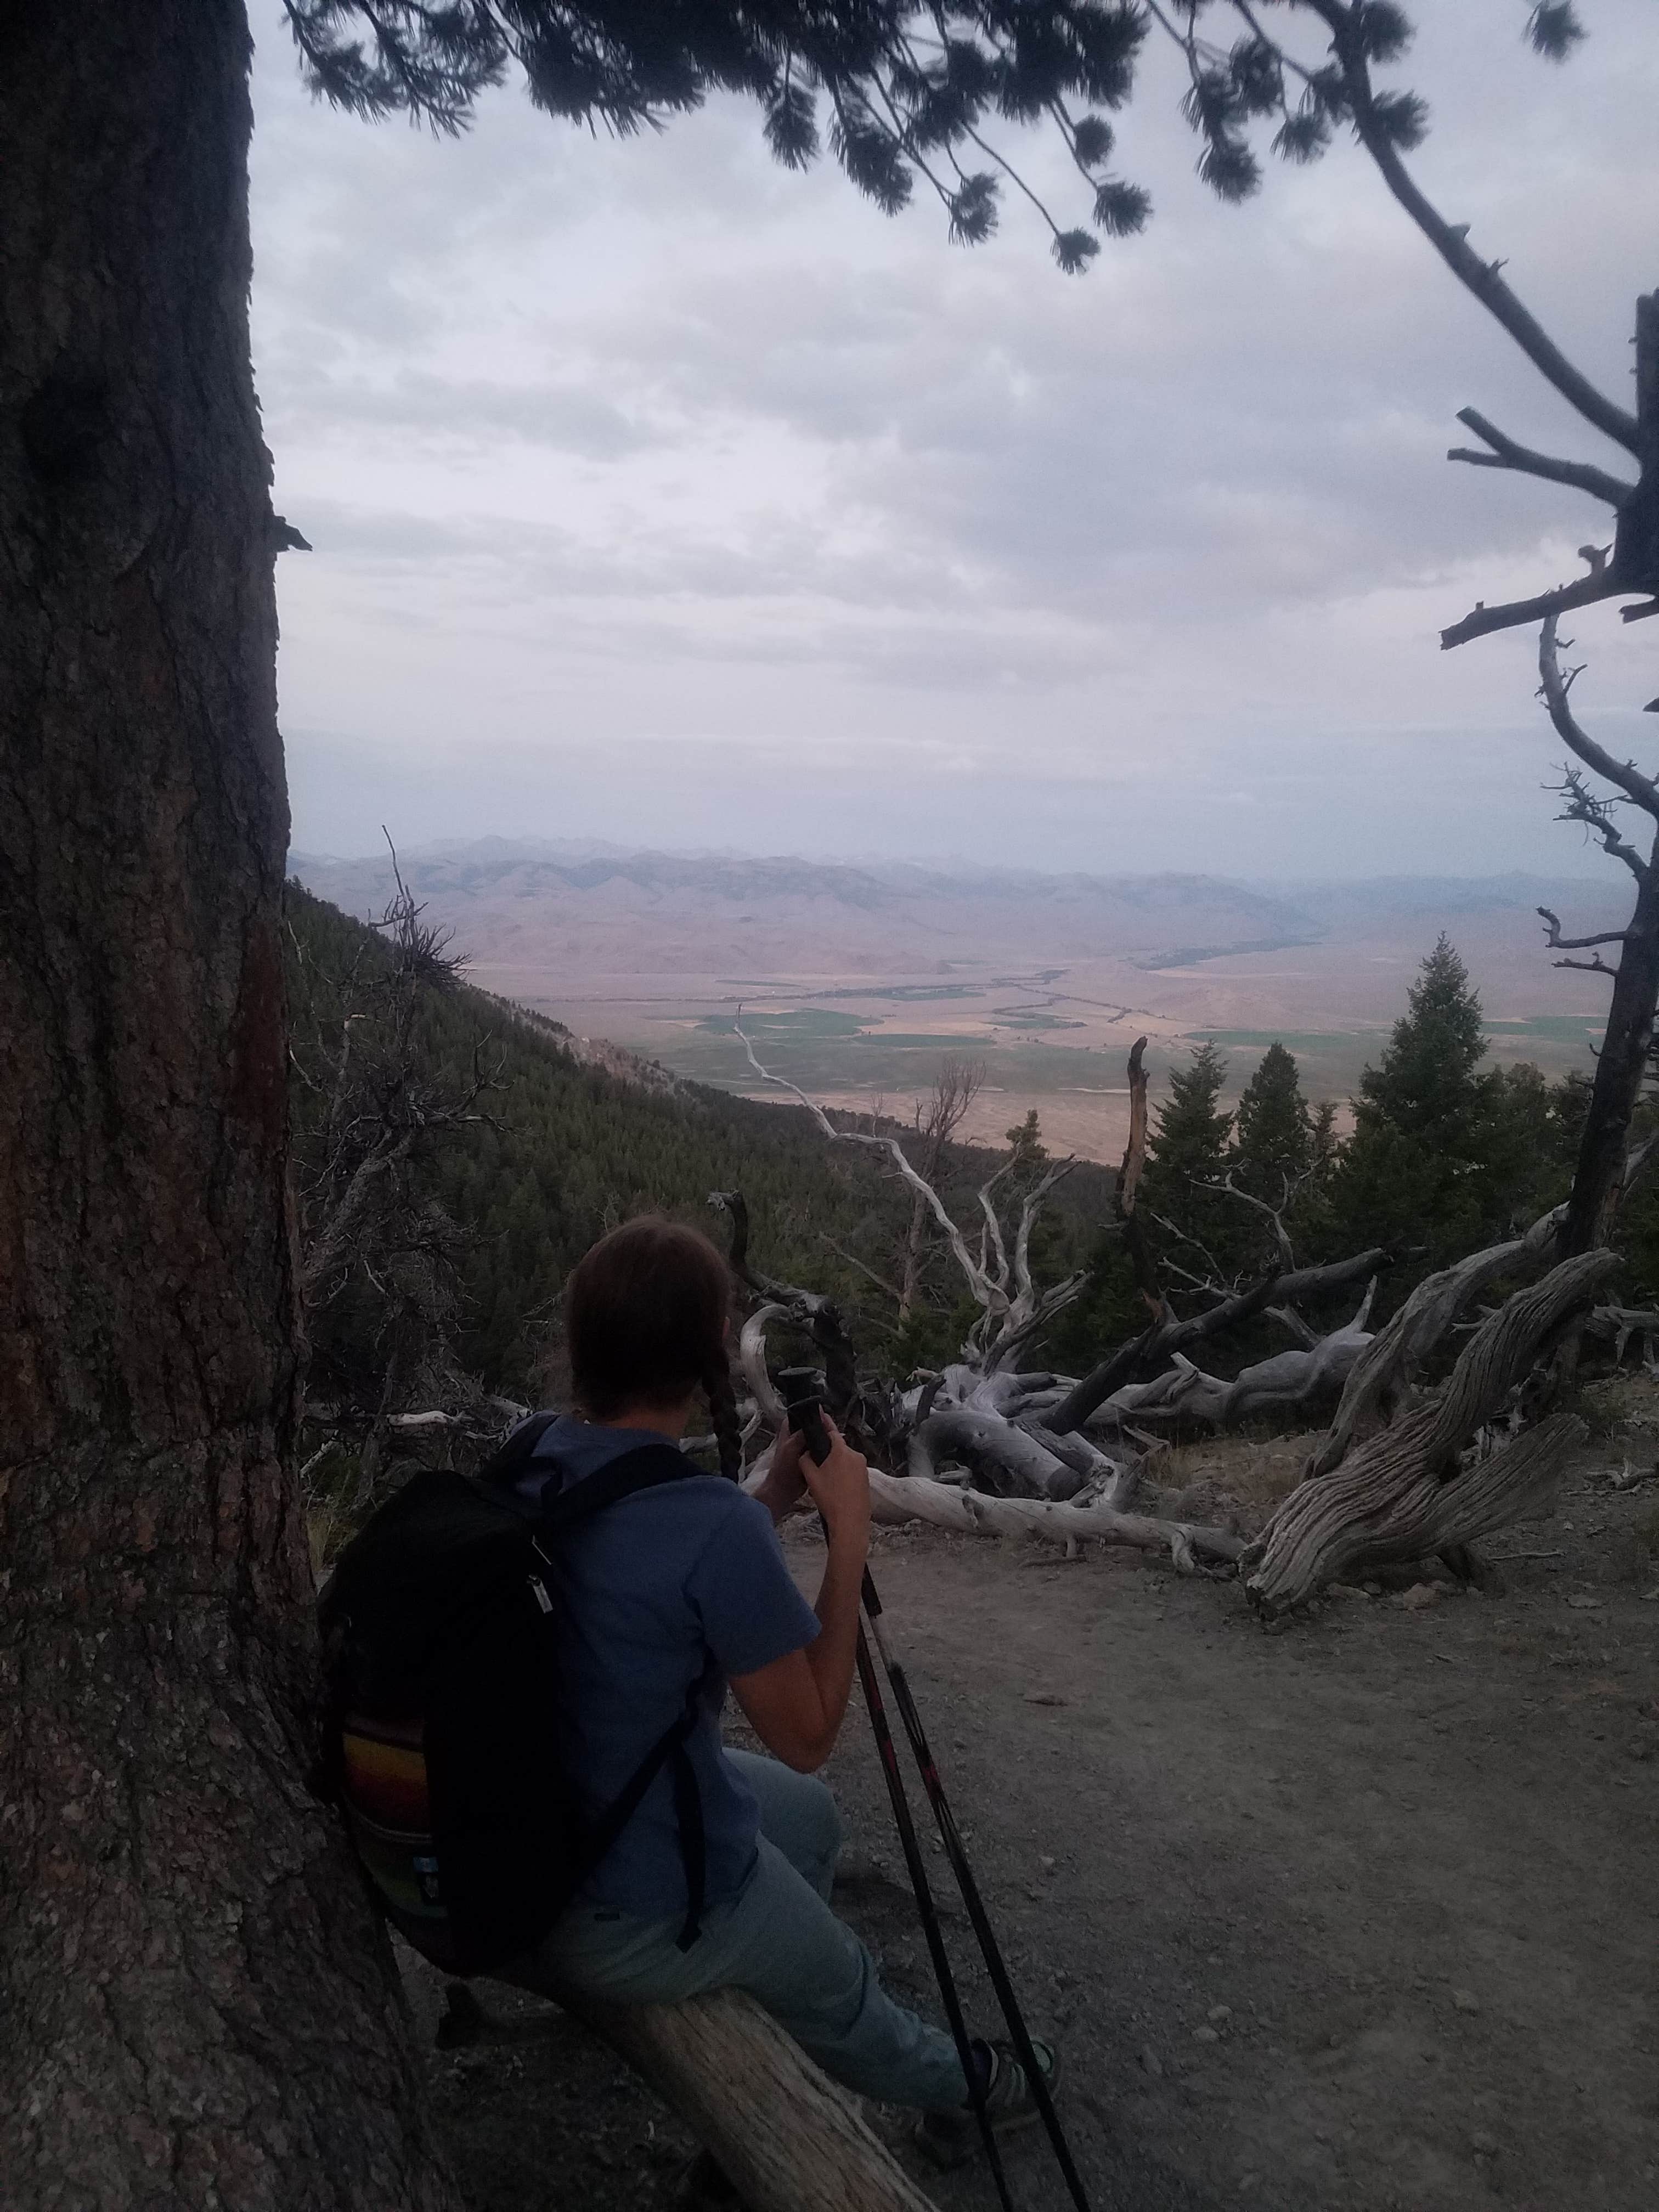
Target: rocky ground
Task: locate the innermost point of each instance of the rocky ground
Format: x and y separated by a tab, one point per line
1361	1913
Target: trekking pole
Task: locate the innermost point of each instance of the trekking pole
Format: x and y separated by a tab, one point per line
804	1413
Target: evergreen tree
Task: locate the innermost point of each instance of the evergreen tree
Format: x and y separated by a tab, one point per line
1188	1150
1273	1146
1025	1142
1444	1157
1325	1142
1427	1082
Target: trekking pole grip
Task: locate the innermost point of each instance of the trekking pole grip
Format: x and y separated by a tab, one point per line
803	1399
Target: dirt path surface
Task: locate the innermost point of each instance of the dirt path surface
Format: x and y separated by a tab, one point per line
1362	1913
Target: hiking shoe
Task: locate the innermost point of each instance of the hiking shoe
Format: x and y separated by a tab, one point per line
948	2138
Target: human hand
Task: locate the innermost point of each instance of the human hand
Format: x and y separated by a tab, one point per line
840	1487
784	1484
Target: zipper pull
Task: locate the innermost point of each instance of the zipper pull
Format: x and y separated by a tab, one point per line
542	1597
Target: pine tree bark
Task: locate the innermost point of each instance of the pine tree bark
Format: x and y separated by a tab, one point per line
197	2009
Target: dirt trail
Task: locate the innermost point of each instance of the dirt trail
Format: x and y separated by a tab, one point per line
1364	1913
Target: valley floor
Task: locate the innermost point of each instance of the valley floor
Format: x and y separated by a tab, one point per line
1362	1913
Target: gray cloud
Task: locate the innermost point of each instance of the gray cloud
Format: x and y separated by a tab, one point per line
603	445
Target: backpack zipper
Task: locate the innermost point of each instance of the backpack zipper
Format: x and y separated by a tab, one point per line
540	1589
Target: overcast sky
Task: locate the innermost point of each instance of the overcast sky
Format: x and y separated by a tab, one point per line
662	496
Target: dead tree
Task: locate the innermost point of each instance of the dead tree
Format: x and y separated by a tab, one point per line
1288	1383
976	1441
1423	1484
1627	1046
1630	566
938	1118
1147	1356
1012	1308
1327	83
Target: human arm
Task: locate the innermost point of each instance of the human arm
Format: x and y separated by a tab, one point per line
796	1704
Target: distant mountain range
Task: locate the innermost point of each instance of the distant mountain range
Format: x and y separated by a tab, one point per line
513	899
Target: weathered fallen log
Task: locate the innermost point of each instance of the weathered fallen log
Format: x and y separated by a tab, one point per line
1010	1455
1405	1492
783	2134
1145	1353
1289	1382
895	1499
1618	1324
1399	1351
1380	1508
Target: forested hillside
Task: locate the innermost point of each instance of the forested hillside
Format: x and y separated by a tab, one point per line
551	1152
455	1154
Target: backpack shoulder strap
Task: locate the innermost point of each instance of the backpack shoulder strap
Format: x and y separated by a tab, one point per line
507	1459
643	1468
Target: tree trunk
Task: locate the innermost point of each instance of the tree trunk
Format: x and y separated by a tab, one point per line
1620	1067
198	2010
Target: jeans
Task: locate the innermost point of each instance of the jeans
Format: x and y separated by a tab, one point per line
776	1938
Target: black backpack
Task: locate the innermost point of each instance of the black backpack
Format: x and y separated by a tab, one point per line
442	1636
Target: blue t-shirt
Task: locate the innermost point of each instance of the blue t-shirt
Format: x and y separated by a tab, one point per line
685	1583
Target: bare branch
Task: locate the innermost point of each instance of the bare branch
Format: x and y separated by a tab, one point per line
991	1242
1227	1188
1218	1275
1505	454
1554	941
1028	1213
852	1260
986	1292
1451	242
1582	805
1288	1318
1596	967
1553	687
1586	593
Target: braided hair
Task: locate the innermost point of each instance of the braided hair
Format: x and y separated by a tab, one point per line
723	1411
646	1313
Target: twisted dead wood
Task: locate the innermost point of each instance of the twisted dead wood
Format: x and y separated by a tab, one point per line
1382	1507
1399	1351
1145	1353
1404	1494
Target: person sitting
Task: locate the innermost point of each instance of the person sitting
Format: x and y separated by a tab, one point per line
683	1587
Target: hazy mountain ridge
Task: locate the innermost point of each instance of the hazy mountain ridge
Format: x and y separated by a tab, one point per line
1132	914
860	977
485	887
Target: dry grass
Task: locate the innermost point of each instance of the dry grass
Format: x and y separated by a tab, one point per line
1201	1480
